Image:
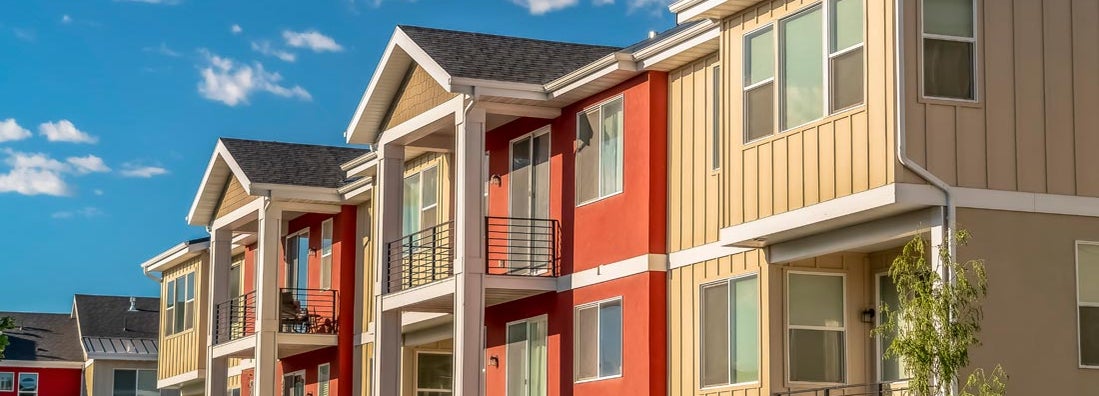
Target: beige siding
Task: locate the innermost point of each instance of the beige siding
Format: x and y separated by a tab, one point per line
366	224
842	154
418	93
408	363
186	351
1034	126
693	191
233	198
99	376
365	375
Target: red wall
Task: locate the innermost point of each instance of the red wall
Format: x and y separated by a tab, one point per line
51	381
308	363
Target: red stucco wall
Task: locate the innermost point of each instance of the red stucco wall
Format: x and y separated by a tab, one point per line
51	381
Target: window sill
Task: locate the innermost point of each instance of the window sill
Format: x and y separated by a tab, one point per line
583	381
970	103
586	203
847	112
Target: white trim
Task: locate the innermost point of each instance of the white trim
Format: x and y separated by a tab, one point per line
654	56
37	383
598	107
327	225
544	130
787	327
519	110
220	152
174	255
180	379
416	372
423	123
327	381
299	373
746	70
687	10
239	215
598	305
281	192
42	364
418	294
543	318
698	254
613	271
1080	304
286	257
137	376
894	228
975	65
728	282
13	385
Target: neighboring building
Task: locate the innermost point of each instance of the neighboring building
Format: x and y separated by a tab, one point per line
43	357
119	339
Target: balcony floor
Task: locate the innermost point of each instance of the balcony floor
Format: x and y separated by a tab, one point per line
439	296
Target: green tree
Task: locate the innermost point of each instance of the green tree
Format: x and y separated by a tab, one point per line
6	323
938	320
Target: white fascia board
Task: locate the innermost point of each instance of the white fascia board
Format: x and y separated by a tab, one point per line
504	85
423	59
369	168
359	195
617	270
418	294
285	192
622	62
173	256
427	119
856	236
358	161
42	364
234	168
663	53
239	215
181	379
693	9
587	69
679	6
672	41
518	110
702	253
145	357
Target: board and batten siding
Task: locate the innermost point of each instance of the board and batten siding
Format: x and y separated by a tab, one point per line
184	352
232	198
684	318
694	190
443	162
842	154
419	92
1034	126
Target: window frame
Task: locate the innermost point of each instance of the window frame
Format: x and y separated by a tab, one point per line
780	72
1079	305
701	323
37	384
598	107
419	175
326	257
137	378
787	327
746	69
416	371
298	373
13	384
976	55
831	54
597	305
544	318
286	257
715	129
187	280
326	382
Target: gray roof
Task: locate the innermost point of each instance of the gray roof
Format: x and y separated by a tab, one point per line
43	337
109	317
291	163
503	58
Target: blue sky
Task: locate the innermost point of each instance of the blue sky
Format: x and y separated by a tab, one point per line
109	110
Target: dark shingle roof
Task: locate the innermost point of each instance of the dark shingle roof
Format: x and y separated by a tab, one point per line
291	163
109	316
503	58
43	337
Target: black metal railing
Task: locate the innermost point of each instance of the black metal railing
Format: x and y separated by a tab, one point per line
521	246
420	258
235	319
308	311
894	388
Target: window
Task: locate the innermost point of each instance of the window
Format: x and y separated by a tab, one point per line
28	384
421	200
1087	293
180	302
889	368
949	49
815	305
236	276
526	357
234	392
715	129
729	332
7	382
323	375
434	374
326	254
598	344
135	383
599	151
297	260
820	63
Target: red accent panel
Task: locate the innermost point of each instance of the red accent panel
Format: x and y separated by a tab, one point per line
51	381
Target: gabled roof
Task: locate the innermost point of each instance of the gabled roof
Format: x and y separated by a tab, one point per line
110	316
176	254
42	337
503	58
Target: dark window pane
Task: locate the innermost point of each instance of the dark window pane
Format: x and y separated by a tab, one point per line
715	335
1089	336
948	69
610	339
434	371
816	356
759	111
125	383
587	157
847	80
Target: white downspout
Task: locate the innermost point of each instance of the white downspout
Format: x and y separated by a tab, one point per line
949	214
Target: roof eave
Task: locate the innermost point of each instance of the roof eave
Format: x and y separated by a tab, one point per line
173	256
211	189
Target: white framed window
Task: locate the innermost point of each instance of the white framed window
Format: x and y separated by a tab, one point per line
527	357
324	375
715	119
180	304
889	369
434	373
421	200
135	383
7	382
818	56
236	276
597	348
1087	302
729	332
949	49
297	259
599	137
293	384
28	384
816	327
326	254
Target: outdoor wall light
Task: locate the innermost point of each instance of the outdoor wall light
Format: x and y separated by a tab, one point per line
494	361
868	315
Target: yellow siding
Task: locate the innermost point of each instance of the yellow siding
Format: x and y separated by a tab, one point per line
694	192
842	154
186	351
442	161
233	198
366	211
408	363
418	93
1033	127
365	375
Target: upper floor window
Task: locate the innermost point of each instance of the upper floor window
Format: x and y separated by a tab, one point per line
815	327
598	340
599	151
949	49
819	65
324	373
1087	293
28	384
135	383
715	129
236	276
729	332
180	301
7	382
326	254
421	200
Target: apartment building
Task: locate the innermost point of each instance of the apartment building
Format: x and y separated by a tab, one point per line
43	356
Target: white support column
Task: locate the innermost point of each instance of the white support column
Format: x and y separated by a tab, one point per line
389	186
267	298
469	263
221	252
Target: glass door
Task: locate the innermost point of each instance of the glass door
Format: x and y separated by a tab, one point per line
889	369
528	202
293	384
526	358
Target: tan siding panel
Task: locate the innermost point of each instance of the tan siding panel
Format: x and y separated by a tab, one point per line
1057	51
1086	94
233	198
418	94
971	151
1000	98
941	151
1029	124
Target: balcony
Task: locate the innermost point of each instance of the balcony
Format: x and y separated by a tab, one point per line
420	258
308	311
521	246
235	319
308	320
895	388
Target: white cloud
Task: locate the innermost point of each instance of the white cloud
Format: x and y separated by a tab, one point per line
66	18
264	47
33	174
236	29
88	164
131	169
602	2
86	212
97	192
163	49
64	131
539	7
313	40
11	131
226	81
